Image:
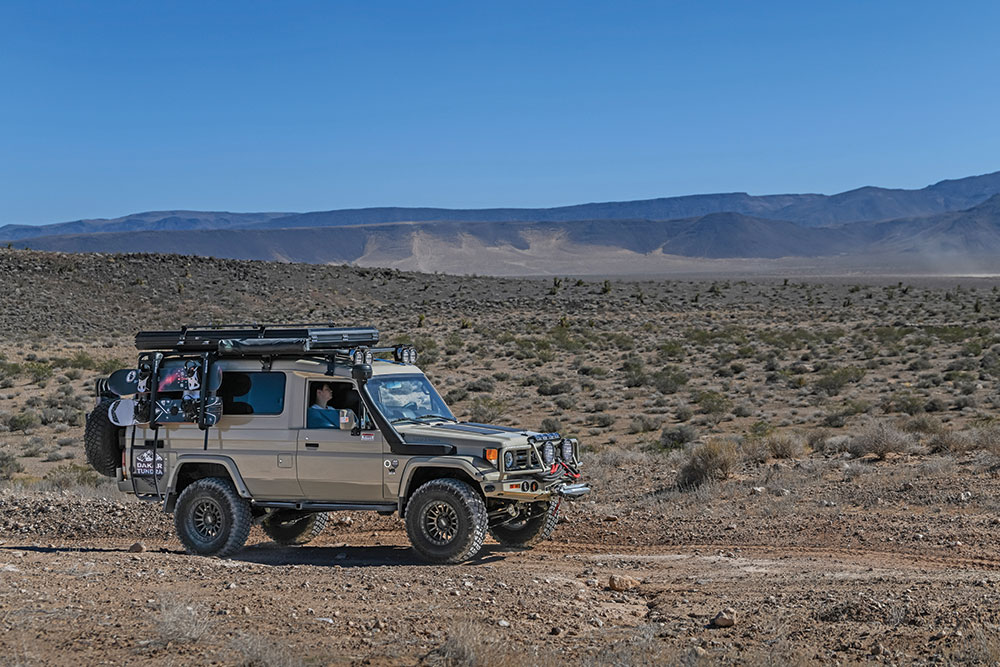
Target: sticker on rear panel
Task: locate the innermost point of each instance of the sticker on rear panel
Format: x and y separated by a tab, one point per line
144	464
367	436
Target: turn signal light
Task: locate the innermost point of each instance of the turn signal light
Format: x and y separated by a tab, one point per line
491	455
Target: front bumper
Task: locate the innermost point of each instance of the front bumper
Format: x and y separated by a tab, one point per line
532	489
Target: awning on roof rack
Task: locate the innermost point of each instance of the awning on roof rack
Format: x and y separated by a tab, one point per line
289	339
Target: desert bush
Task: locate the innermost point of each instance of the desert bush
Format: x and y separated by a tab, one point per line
550	425
835	379
712	403
743	410
256	650
549	388
644	424
38	371
923	424
669	379
952	442
456	395
180	622
671	349
70	475
963	402
602	419
675	438
23	421
684	413
785	445
880	439
467	646
485	409
714	459
564	402
592	371
988	438
634	370
9	465
482	384
903	401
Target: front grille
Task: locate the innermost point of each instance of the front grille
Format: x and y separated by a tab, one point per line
524	459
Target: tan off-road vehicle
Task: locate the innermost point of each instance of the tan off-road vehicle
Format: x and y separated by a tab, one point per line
230	426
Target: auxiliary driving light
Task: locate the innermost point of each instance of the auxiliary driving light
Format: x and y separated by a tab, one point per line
567	449
548	454
363	356
406	355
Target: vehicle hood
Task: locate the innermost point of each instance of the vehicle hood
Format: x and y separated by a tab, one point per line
466	433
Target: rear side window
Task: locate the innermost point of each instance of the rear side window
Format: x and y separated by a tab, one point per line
252	393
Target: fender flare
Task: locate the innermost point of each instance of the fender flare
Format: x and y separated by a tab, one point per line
185	459
421	462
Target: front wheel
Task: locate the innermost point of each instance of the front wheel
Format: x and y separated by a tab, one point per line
446	521
534	524
211	518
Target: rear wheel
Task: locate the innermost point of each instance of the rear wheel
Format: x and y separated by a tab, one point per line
102	441
211	518
446	521
534	524
294	529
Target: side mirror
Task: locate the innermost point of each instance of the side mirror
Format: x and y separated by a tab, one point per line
362	373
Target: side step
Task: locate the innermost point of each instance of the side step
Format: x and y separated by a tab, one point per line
328	507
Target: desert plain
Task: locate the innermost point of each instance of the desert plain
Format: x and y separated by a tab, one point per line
785	470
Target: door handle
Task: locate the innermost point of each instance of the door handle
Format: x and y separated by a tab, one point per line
312	445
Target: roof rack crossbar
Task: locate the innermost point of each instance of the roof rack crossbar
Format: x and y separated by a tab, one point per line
286	339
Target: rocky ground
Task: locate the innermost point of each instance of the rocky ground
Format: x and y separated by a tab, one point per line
820	458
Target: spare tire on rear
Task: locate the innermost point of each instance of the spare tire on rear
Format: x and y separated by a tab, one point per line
103	441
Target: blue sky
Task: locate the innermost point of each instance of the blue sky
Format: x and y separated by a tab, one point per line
110	108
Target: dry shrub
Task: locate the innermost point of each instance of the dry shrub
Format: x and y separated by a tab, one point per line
180	622
785	446
880	438
953	442
255	650
470	646
714	459
988	438
754	450
923	423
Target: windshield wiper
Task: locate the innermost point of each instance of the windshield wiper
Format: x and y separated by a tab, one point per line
450	419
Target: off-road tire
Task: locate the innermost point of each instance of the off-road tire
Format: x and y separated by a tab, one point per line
529	532
102	441
211	519
299	531
446	521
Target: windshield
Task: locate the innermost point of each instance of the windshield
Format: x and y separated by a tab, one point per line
407	397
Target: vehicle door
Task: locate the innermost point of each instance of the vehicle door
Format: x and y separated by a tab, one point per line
339	464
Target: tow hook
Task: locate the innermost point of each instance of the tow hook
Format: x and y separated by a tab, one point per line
572	491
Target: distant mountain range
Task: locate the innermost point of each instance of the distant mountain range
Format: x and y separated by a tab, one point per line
951	222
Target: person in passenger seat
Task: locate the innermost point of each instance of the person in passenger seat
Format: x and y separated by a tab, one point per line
320	415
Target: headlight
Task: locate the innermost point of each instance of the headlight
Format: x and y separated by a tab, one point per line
567	450
508	460
548	453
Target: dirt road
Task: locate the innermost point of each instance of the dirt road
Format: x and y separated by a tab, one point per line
359	596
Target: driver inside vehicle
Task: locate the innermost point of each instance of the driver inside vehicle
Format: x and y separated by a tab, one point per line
320	414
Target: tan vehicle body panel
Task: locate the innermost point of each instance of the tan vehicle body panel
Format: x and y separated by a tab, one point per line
276	458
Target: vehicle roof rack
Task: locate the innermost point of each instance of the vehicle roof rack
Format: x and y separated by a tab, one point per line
258	339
